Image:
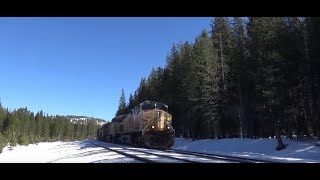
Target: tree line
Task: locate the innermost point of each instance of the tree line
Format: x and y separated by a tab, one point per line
245	77
24	127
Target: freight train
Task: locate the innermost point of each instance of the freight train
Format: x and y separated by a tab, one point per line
148	125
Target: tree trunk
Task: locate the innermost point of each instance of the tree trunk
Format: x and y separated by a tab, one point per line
222	60
279	140
241	109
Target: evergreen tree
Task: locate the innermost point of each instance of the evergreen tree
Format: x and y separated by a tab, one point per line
91	129
131	103
32	130
142	91
46	129
266	37
39	122
173	88
2	118
314	40
54	129
225	96
77	131
3	142
189	90
242	77
122	104
83	131
206	63
11	128
292	50
154	85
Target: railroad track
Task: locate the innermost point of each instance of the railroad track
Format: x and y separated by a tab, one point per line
125	154
142	155
175	156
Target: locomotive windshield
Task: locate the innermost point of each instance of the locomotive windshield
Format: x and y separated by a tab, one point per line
162	106
150	105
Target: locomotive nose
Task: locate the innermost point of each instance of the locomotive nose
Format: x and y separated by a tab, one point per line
161	121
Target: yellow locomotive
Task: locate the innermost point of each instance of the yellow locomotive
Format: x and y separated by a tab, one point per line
149	125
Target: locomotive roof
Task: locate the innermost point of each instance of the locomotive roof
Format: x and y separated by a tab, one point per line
106	124
145	102
119	118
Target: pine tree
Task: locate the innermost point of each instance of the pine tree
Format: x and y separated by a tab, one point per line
266	39
91	129
142	91
65	129
46	129
122	104
23	116
206	63
241	69
155	86
188	89
131	103
306	82
292	50
171	77
39	122
222	42
173	84
11	128
3	142
2	118
77	131
315	73
32	130
83	131
54	129
61	128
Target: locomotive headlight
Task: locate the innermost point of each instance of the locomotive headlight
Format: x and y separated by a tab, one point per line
152	127
168	127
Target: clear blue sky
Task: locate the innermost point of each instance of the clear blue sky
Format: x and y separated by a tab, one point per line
78	66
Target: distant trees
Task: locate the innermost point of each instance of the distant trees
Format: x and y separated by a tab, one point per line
22	127
253	77
3	142
3	116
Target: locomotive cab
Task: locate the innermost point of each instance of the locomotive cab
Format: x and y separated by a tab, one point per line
157	132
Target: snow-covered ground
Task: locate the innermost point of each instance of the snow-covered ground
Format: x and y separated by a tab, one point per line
85	152
61	152
296	152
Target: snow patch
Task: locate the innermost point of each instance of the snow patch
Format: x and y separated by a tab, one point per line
263	148
61	152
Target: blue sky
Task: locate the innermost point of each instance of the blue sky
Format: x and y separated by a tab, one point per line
78	66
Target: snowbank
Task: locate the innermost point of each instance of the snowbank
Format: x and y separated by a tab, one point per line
254	148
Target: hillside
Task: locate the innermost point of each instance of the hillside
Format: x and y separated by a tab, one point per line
84	119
